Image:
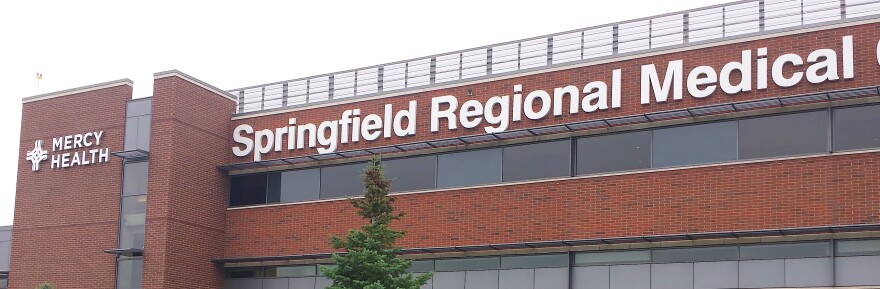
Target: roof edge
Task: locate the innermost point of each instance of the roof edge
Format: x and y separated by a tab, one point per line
81	89
196	81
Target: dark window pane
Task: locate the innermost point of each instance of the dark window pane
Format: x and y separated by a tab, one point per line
131	231
129	274
138	107
696	254
537	161
464	264
612	257
342	181
143	133
291	271
857	128
534	261
780	251
422	266
5	235
246	273
131	133
616	152
294	186
247	190
4	283
135	178
469	168
411	174
695	144
783	135
858	247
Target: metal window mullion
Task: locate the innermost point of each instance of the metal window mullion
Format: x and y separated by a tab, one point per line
460	64
489	60
262	98
842	9
433	70
284	95
650	32
802	12
308	89
518	55
761	15
615	40
685	28
550	50
355	84
330	82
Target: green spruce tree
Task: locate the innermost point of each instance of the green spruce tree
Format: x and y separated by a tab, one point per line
371	260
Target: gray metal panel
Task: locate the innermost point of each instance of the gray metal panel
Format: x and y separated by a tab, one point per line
593	277
322	282
428	285
242	284
710	275
672	276
809	272
301	283
5	251
275	283
631	276
143	133
469	168
860	270
695	144
551	278
517	279
449	280
139	107
131	128
481	279
761	273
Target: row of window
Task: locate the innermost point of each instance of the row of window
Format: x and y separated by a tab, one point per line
842	248
129	270
812	132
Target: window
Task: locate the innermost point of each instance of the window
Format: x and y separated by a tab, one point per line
129	273
138	107
779	251
464	264
858	247
422	266
410	174
294	186
783	135
695	144
616	152
247	190
696	254
856	128
137	125
469	168
134	178
342	181
612	257
245	273
534	261
537	161
131	233
292	271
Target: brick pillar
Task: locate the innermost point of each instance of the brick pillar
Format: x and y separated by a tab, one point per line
186	199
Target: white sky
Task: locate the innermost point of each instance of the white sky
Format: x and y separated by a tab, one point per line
232	44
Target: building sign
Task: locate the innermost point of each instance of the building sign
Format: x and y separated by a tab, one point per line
495	114
70	151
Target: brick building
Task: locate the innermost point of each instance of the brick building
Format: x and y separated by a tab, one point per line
732	146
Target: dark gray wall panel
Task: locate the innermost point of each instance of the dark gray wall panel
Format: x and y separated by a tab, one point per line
716	275
809	272
860	270
275	283
243	284
322	282
342	181
615	152
631	276
5	251
761	273
672	276
481	279
695	144
517	279
593	277
537	161
469	168
856	128
448	280
783	135
551	278
302	283
409	174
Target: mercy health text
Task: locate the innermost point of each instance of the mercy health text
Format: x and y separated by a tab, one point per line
496	114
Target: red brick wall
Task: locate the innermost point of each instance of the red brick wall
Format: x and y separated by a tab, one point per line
866	73
820	191
187	194
65	218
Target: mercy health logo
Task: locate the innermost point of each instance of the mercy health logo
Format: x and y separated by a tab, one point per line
70	151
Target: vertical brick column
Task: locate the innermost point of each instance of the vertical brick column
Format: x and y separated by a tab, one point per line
186	207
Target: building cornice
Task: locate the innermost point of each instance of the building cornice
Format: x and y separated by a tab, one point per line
196	81
82	89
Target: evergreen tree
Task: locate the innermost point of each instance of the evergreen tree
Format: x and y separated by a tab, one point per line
371	260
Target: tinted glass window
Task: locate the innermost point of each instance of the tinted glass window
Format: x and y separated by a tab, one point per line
467	264
696	254
292	271
342	181
422	266
779	251
409	174
294	186
783	135
247	190
5	235
858	247
534	261
469	168
695	144
135	178
131	233
137	132
129	274
616	152
856	128
4	283
614	257
138	107
246	273
537	161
